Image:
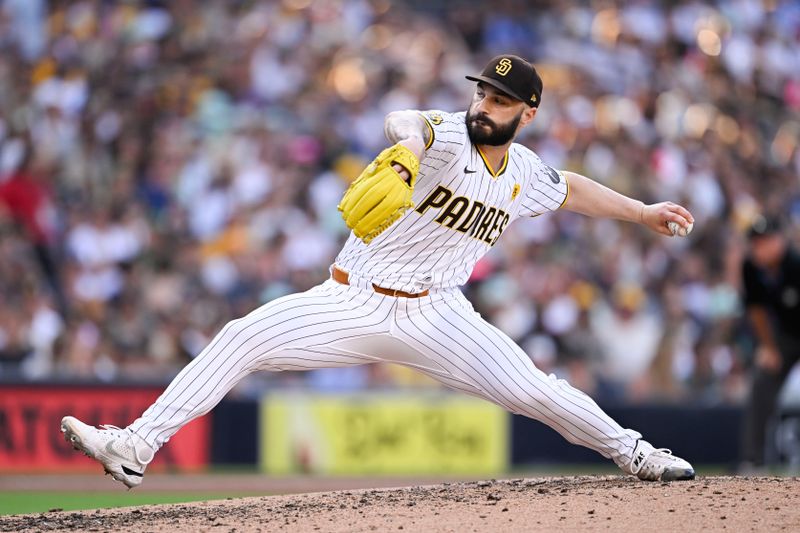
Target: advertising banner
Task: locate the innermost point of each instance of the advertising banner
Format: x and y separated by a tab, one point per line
382	434
31	438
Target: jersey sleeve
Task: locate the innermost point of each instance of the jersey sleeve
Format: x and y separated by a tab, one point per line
447	138
547	189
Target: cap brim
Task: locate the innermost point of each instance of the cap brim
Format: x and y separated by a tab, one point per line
498	85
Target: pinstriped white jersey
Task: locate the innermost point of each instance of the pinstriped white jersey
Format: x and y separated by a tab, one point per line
461	208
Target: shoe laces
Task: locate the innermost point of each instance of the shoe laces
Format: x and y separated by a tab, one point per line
113	429
663	451
127	435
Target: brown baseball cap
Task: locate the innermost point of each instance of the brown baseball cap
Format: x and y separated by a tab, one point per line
514	76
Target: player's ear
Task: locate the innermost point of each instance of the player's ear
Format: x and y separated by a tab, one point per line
527	115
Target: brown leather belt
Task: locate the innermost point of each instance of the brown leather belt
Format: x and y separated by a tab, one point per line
342	277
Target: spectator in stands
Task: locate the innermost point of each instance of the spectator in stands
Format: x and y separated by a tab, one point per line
771	282
28	199
205	145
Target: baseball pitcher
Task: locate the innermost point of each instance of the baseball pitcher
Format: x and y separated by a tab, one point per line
422	214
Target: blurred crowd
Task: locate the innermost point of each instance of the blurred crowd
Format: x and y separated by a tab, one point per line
168	166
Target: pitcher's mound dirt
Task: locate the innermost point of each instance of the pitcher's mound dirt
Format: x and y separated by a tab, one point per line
612	503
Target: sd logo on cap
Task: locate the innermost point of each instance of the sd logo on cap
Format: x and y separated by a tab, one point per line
503	66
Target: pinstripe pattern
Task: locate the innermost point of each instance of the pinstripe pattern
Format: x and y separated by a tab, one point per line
335	325
416	252
316	330
270	338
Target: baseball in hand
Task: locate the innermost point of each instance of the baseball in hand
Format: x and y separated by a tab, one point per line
679	230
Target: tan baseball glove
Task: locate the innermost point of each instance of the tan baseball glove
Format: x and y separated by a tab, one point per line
379	196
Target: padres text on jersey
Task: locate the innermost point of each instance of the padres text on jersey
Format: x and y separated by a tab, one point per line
462	207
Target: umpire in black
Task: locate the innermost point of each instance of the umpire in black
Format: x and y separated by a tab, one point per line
771	282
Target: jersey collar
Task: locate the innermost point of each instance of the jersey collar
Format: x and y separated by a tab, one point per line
503	165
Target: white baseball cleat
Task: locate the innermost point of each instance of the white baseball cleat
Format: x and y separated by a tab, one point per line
113	447
658	464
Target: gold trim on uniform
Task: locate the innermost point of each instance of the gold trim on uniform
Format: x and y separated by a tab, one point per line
503	165
430	129
515	191
566	181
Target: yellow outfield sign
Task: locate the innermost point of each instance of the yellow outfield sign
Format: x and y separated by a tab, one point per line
382	434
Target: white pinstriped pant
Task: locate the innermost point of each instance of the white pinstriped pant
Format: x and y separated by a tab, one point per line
334	325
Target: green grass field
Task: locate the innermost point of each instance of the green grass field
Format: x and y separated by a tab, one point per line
41	502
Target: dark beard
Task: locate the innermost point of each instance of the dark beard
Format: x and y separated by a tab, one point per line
496	136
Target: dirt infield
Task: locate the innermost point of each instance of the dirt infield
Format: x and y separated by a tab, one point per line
612	503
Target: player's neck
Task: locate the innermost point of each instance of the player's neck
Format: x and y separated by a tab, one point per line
494	155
